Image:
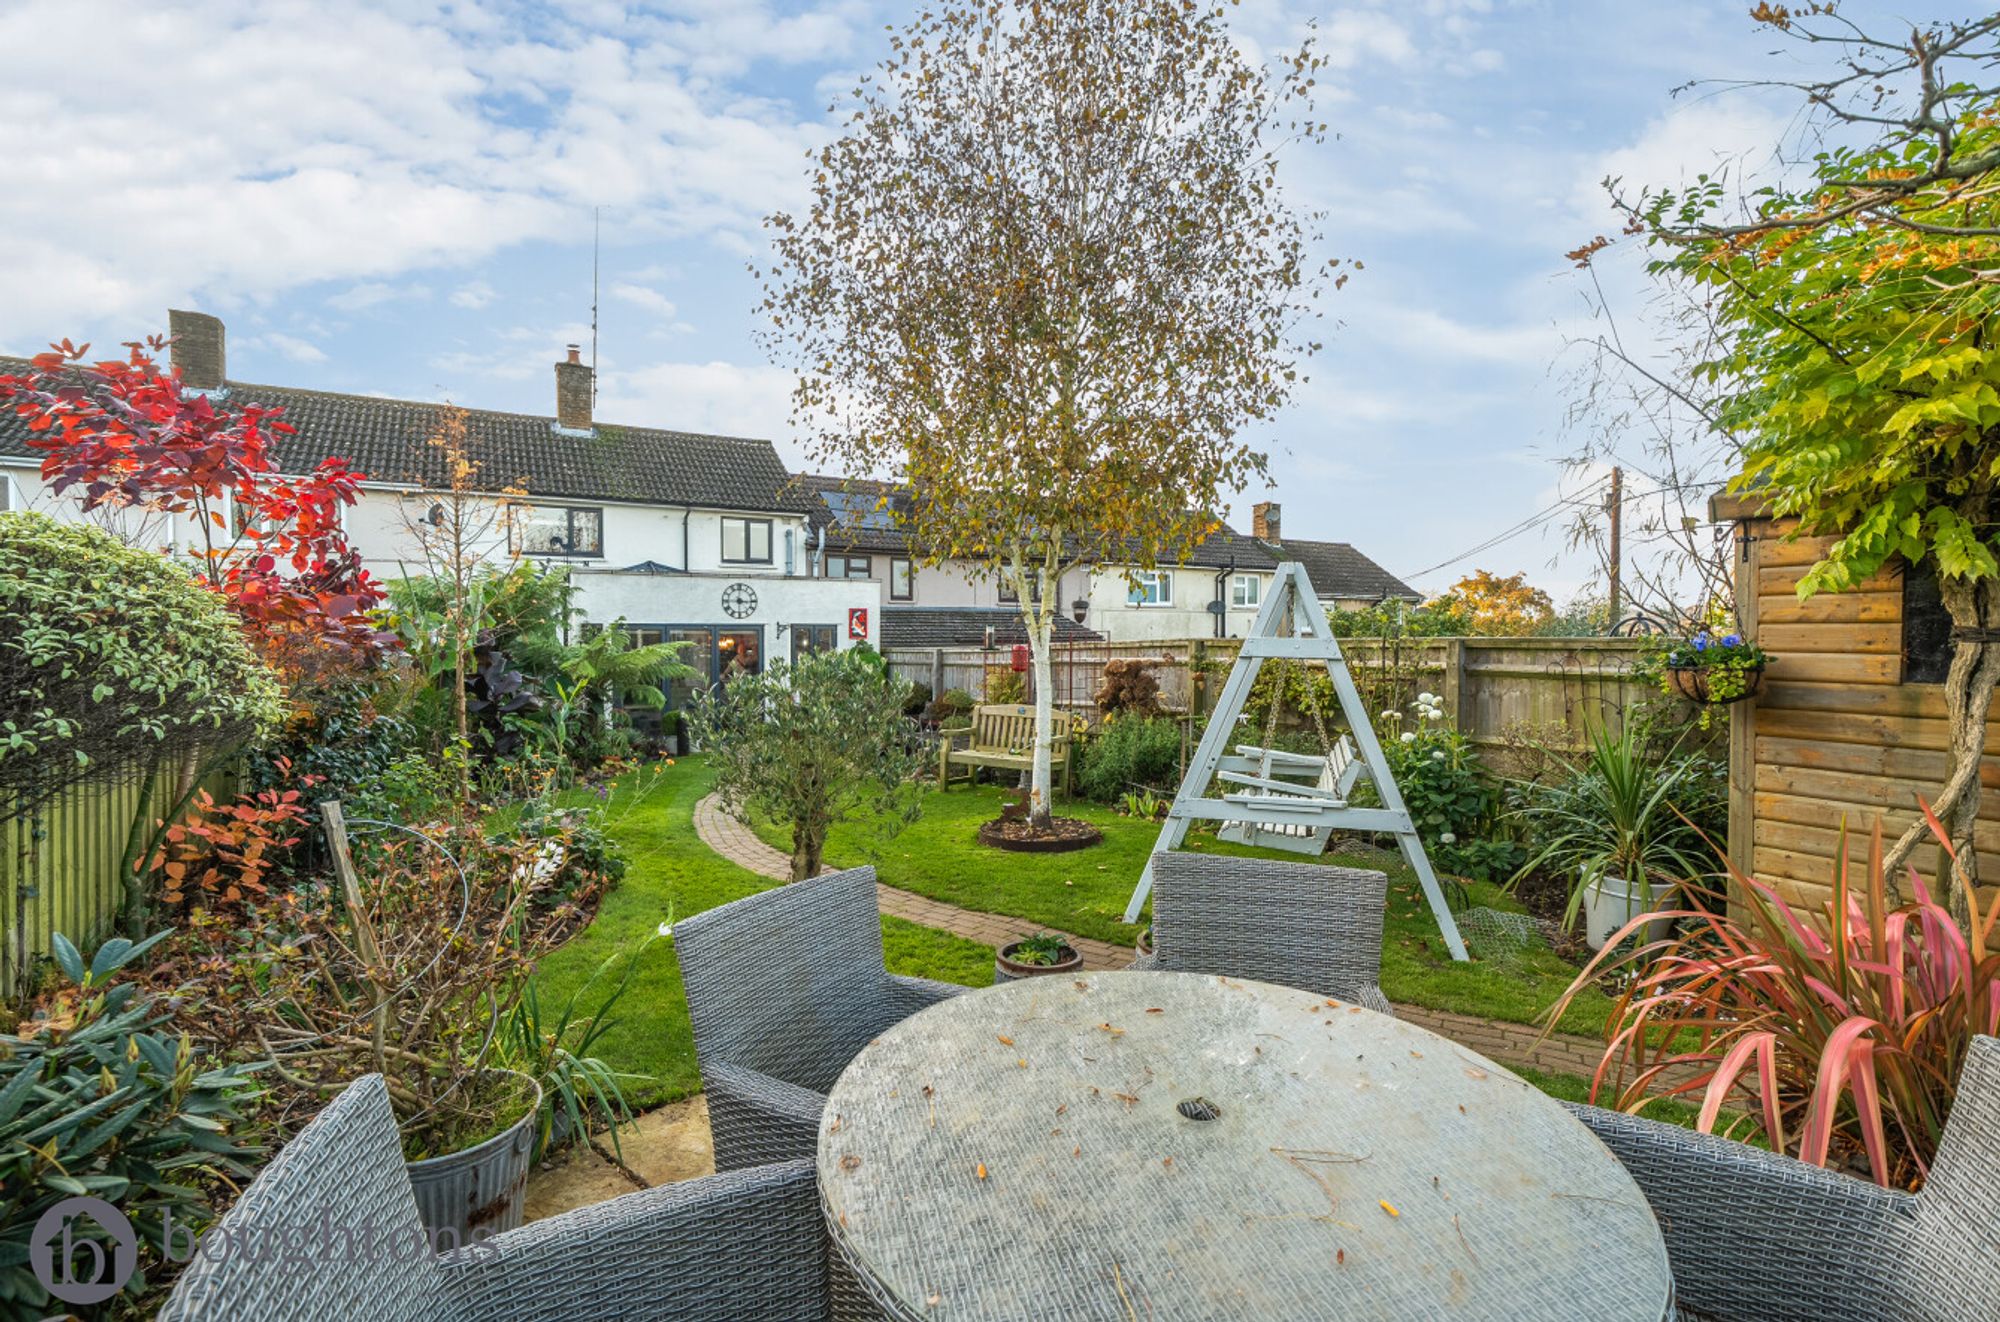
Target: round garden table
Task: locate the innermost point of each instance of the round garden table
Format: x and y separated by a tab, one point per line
1179	1146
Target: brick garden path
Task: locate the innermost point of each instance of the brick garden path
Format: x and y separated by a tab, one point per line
1508	1043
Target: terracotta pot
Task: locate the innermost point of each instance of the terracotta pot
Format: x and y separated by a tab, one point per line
1006	970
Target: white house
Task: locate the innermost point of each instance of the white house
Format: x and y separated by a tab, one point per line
1214	593
683	537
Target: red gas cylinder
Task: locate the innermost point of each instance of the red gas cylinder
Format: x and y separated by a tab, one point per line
1020	656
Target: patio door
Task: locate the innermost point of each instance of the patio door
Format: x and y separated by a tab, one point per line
739	652
699	656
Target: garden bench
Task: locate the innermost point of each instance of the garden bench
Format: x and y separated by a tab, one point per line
1003	735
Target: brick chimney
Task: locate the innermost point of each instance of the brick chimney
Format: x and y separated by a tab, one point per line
1264	521
573	392
197	349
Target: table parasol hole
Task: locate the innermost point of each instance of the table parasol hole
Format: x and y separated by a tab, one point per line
1200	1109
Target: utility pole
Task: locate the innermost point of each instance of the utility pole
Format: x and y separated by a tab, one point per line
1614	503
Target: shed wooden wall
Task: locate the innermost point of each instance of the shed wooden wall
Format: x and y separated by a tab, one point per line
1835	734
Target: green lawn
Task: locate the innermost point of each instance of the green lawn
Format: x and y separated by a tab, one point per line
1085	893
670	871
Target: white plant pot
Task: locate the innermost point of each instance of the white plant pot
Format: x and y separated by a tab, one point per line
1614	902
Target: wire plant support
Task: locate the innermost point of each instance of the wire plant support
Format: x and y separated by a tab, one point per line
1284	800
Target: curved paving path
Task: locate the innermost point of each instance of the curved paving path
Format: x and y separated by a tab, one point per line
1508	1043
739	844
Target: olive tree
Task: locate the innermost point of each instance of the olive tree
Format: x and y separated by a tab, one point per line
1046	277
811	744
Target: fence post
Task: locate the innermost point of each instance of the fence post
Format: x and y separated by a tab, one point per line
937	673
1197	687
1454	694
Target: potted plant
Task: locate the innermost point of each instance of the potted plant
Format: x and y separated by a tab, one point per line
1612	830
1036	956
577	1087
1714	671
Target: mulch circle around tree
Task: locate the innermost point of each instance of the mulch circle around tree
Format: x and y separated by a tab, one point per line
1060	836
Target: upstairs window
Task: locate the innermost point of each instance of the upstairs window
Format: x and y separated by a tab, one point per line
558	530
902	579
746	541
1151	587
1009	597
849	566
1246	590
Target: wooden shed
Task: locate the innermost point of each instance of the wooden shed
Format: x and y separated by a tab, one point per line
1850	724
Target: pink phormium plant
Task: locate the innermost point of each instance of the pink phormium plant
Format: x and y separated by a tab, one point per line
1836	1036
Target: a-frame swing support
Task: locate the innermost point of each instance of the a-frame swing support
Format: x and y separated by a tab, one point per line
1292	625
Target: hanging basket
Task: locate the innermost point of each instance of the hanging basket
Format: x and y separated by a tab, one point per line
1692	683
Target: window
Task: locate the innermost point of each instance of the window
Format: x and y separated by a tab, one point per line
1151	587
746	541
1009	597
849	566
1926	628
1246	590
812	639
902	579
8	500
556	530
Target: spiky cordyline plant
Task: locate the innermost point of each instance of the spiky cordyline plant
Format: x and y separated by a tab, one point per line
1835	1035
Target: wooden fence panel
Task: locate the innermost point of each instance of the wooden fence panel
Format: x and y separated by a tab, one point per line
59	868
1498	689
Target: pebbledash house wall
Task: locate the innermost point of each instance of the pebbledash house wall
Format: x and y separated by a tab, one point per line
1842	730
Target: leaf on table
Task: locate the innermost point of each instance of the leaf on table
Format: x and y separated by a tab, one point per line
1006	1041
981	1171
850	1162
1388	1207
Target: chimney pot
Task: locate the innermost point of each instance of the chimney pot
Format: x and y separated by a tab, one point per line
197	351
1264	525
573	391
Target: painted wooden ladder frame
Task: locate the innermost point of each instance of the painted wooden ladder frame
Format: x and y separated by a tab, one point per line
1292	624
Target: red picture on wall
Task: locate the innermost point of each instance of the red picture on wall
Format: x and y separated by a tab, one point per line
857	622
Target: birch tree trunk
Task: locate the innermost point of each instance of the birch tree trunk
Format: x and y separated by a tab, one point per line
1040	801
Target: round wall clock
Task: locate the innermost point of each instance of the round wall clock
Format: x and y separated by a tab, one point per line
739	601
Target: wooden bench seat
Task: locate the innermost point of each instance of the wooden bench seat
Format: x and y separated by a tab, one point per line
1003	736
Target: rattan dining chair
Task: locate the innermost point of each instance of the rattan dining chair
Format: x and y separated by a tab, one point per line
1754	1236
784	988
1304	925
330	1230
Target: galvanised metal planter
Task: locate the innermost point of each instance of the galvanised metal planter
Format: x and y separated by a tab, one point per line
478	1191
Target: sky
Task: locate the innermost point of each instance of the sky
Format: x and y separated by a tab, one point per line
398	199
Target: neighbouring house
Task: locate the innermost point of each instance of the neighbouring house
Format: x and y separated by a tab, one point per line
1342	577
680	536
1849	725
1214	593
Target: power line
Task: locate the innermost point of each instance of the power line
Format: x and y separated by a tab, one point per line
1526	525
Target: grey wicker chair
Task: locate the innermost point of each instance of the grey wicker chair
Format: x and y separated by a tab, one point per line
1758	1237
330	1230
784	988
1297	924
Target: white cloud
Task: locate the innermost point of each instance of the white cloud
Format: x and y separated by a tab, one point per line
372	294
644	296
474	294
357	143
290	346
722	397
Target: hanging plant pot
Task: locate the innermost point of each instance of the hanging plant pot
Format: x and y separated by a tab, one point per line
1698	684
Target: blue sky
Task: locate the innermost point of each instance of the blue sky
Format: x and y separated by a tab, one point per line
396	198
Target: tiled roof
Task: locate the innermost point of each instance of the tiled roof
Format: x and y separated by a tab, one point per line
387	439
965	626
1339	571
1224	548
